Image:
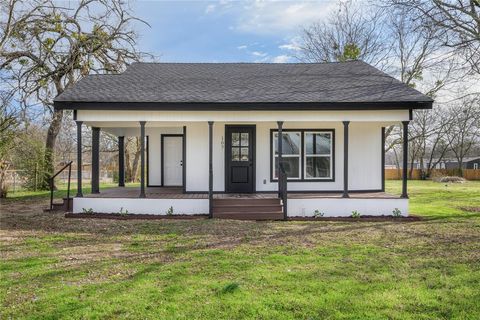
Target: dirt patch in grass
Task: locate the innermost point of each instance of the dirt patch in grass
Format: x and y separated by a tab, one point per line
470	209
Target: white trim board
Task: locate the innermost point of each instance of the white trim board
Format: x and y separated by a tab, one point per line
131	118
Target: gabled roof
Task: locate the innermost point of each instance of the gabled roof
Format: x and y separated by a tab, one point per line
348	85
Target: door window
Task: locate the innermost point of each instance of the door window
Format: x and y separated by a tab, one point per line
240	150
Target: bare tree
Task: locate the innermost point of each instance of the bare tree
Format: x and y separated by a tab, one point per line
351	33
465	130
132	149
458	22
50	47
428	138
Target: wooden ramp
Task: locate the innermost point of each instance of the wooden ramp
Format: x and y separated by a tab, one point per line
248	208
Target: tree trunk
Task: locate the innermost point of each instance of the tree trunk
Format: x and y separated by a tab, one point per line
128	167
53	131
136	160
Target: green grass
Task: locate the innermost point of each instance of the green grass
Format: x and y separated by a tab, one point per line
57	268
433	199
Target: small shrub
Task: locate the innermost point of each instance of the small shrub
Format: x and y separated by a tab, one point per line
87	211
397	213
122	212
230	288
169	211
318	214
452	179
355	214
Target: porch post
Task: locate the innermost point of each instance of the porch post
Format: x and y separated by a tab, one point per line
405	160
142	159
121	161
95	160
280	153
345	159
383	160
210	169
79	159
184	159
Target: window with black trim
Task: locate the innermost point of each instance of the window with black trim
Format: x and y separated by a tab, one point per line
291	154
307	154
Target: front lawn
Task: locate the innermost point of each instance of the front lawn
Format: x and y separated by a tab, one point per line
58	268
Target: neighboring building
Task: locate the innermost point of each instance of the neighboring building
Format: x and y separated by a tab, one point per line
210	131
450	163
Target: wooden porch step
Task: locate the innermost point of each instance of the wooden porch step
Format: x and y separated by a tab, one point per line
250	216
247	208
246	201
62	206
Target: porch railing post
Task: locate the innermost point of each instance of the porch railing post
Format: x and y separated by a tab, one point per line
121	161
95	160
210	169
142	159
405	160
345	159
79	159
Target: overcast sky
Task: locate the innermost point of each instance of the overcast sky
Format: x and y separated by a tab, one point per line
225	31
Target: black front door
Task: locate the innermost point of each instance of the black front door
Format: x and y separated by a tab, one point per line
239	158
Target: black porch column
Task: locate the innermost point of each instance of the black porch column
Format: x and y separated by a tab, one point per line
280	153
345	159
142	159
405	160
79	159
95	160
121	161
210	169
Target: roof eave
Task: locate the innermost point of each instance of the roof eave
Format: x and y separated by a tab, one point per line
249	106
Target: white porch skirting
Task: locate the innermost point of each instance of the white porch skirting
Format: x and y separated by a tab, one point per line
343	207
297	207
141	206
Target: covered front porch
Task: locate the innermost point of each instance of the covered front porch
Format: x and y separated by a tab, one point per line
327	163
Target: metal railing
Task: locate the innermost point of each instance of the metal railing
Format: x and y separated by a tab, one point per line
52	184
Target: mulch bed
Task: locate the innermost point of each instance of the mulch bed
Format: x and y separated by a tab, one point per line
117	216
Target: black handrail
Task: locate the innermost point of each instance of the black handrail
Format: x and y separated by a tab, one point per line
52	178
283	189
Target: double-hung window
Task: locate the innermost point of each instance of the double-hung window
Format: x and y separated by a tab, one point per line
306	154
318	155
291	154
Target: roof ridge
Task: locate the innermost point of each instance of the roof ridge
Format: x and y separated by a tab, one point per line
252	63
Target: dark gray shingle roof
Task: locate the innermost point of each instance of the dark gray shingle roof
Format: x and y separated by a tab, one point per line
354	81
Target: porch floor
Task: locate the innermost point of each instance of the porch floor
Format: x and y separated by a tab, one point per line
176	193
